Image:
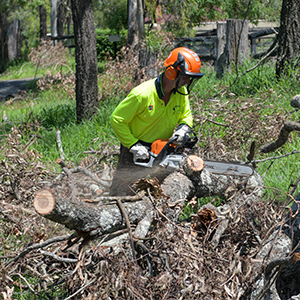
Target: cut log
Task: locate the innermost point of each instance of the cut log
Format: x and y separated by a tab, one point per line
87	218
44	202
193	164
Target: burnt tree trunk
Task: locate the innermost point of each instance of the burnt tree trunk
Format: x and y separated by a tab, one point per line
147	68
289	36
86	59
43	22
278	260
61	13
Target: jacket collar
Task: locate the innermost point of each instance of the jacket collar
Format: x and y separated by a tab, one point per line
158	86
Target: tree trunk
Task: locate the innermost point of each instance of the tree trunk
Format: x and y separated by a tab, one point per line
13	40
86	59
43	22
86	218
3	40
147	68
289	36
54	19
60	19
236	47
135	21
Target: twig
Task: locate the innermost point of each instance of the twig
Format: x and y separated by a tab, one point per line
72	185
259	63
41	245
94	177
123	210
82	288
60	149
27	283
111	199
58	258
276	157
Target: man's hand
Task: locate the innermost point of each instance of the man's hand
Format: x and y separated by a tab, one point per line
139	151
181	132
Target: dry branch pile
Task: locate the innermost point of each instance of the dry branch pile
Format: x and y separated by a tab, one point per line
193	259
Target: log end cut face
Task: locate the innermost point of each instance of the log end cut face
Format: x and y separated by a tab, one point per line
195	163
44	202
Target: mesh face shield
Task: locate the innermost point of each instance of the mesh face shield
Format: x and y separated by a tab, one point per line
189	87
194	77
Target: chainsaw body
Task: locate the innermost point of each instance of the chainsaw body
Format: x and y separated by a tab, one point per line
169	156
171	160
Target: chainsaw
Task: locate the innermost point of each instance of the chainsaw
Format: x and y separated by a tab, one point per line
167	155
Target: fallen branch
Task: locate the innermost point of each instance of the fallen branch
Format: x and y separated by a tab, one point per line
59	144
282	138
41	245
127	221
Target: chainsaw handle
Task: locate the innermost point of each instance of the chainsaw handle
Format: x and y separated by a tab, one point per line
148	164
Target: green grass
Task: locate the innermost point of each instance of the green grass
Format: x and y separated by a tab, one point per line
26	69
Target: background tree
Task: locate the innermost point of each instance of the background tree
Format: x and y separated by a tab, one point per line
135	21
289	36
86	59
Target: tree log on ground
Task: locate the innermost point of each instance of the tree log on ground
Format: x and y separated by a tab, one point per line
72	200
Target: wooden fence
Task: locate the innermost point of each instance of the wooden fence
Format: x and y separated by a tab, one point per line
206	43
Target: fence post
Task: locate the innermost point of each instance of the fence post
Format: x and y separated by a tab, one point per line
236	47
221	38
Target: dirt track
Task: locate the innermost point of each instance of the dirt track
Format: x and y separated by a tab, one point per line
10	88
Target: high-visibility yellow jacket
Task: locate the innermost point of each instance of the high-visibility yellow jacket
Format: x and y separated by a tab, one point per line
142	115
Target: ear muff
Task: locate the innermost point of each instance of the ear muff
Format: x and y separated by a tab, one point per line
171	73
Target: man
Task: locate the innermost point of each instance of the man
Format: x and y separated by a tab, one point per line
152	111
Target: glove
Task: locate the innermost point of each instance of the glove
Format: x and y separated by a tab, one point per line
139	151
181	132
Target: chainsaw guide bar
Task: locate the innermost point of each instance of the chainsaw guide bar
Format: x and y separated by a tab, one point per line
228	168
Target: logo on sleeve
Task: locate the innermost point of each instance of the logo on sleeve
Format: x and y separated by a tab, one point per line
150	107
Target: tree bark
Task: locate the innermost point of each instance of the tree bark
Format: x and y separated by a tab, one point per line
86	59
289	36
43	22
60	19
135	21
14	40
89	219
54	19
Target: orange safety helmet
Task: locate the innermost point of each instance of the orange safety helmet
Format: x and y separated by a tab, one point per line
183	62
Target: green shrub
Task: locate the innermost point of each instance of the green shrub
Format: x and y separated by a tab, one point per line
105	48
